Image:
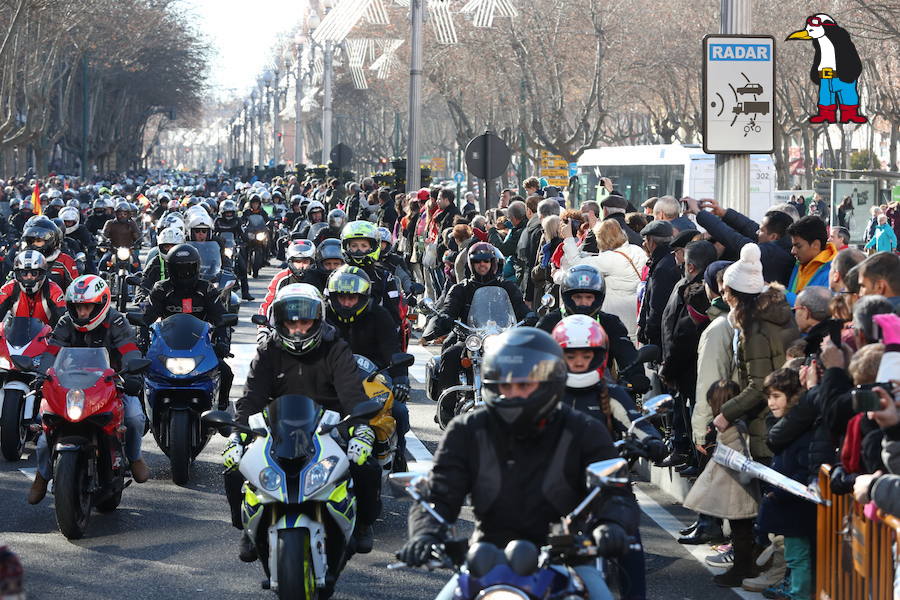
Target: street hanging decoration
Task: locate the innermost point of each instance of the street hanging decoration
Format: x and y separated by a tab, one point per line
485	10
835	69
376	14
442	21
340	20
357	50
388	59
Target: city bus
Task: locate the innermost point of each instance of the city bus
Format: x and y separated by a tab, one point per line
641	172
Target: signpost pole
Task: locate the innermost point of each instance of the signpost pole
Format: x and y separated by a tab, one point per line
732	188
413	169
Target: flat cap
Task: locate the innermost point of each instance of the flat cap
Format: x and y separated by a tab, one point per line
614	201
684	238
657	228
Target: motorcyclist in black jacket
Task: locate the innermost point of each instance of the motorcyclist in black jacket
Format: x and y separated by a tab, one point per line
368	329
521	459
228	222
305	355
582	292
186	292
360	243
74	230
98	217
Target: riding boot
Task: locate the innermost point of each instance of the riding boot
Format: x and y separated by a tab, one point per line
827	114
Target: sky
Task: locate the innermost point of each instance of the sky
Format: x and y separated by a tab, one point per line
241	33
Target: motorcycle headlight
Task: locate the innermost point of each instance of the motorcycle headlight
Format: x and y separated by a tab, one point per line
261	236
502	592
123	253
270	479
473	343
229	252
75	404
318	475
181	365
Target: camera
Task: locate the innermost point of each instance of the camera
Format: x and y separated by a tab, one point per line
865	400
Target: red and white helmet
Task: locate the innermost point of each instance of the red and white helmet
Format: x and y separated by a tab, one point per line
88	289
581	332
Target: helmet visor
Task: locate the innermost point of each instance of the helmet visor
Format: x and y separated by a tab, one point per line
296	308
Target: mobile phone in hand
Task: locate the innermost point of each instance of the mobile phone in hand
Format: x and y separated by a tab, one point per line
865	400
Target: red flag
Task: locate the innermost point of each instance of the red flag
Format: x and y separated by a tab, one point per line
36	198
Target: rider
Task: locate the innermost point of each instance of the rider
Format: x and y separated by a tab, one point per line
301	268
315	213
228	222
26	211
329	256
304	355
392	261
521	459
155	270
186	292
74	230
98	217
30	294
483	265
582	292
359	240
43	235
367	328
122	231
90	322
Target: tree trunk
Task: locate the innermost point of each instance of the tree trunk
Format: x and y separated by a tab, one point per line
895	138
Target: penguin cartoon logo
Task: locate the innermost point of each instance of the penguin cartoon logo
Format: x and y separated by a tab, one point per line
835	69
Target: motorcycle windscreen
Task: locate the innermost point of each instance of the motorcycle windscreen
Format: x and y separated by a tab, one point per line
315	230
255	222
293	420
227	238
21	331
210	259
491	308
80	368
181	332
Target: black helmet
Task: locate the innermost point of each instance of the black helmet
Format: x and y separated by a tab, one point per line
42	230
330	248
582	279
59	225
481	251
523	355
349	280
183	266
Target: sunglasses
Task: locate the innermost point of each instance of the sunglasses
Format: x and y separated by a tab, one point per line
478	261
817	22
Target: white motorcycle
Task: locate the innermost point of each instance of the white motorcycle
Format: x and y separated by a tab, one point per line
299	507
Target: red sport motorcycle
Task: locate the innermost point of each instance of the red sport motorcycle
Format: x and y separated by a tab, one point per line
19	336
83	419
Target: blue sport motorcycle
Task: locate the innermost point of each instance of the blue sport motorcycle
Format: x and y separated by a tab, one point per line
181	383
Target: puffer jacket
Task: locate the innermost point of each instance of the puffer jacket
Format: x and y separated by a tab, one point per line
760	351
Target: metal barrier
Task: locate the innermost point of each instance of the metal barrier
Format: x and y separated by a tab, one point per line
854	555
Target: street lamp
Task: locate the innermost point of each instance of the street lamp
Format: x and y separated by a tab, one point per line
299	41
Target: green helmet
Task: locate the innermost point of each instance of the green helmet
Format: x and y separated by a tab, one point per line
349	280
361	230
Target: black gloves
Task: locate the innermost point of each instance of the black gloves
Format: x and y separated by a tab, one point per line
841	481
530	320
640	383
656	449
417	550
611	539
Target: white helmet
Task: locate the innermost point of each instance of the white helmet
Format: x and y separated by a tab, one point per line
170	235
198	220
171	220
70	214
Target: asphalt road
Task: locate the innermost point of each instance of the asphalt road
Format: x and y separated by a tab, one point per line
167	542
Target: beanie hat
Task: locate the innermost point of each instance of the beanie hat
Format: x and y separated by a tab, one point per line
746	274
710	275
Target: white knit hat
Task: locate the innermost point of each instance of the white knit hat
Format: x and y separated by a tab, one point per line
746	274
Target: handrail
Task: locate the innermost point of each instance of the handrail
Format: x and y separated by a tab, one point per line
854	555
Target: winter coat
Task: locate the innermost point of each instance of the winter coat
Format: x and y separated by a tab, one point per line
621	272
884	240
507	247
526	251
684	319
760	351
715	361
782	512
662	277
890	453
734	231
718	491
885	493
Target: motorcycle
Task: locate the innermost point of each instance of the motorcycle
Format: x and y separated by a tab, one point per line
258	245
522	571
19	336
182	381
83	419
117	276
299	507
222	276
490	314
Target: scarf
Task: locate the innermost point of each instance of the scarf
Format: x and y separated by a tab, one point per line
806	272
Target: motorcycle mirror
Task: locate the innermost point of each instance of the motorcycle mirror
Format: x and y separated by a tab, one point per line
80	257
416	288
648	353
24	363
406	478
428	305
657	404
136	365
136	318
133	279
223	422
402	359
547	301
602	473
229	320
366	410
259	320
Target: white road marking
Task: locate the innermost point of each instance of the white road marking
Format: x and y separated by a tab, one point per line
240	362
28	472
417	449
423	355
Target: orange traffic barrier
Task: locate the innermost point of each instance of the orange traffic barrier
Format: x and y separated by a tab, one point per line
854	555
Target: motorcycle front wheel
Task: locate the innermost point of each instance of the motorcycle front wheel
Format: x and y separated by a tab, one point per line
12	430
180	446
71	495
296	580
